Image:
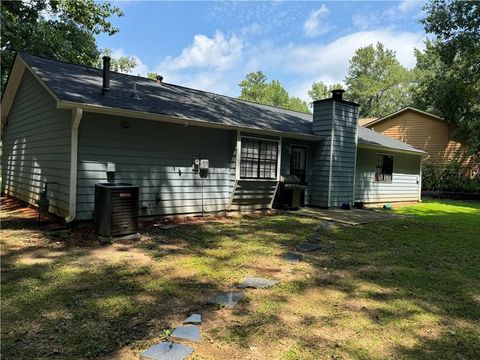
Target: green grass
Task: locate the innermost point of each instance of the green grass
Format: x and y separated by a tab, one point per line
406	288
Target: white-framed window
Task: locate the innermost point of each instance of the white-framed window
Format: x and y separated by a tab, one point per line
258	158
383	167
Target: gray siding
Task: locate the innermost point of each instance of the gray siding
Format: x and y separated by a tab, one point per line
158	157
333	159
36	147
253	195
405	183
344	154
320	160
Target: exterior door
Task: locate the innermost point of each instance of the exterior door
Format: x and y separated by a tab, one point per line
298	162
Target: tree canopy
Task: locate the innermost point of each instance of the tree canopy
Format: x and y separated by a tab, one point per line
448	70
320	90
124	64
377	81
62	30
255	87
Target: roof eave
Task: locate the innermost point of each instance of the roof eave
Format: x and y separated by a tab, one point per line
382	147
100	109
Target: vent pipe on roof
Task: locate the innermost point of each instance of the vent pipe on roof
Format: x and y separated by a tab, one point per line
158	79
106	75
337	94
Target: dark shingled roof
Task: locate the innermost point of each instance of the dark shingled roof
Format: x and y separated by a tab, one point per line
80	84
370	137
83	85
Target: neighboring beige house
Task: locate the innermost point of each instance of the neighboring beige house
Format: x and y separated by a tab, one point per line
421	130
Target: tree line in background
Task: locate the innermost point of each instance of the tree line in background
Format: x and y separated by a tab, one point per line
445	80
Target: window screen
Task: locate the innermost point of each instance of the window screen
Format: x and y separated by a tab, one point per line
383	167
258	159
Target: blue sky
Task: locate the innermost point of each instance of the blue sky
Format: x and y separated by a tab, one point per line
212	45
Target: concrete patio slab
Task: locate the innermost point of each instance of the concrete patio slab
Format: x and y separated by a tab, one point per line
187	332
348	217
167	351
256	283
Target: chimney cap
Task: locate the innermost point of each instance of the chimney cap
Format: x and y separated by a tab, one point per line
337	94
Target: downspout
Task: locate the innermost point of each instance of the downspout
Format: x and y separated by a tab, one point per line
77	114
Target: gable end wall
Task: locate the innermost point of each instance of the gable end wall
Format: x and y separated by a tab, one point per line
424	132
36	147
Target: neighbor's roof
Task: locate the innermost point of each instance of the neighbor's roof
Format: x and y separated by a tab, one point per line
408	108
82	85
365	121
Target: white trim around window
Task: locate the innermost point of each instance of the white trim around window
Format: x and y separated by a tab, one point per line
240	138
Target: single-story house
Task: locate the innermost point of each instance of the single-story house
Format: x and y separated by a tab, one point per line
425	131
65	124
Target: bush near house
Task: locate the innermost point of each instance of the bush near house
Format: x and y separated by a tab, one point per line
449	177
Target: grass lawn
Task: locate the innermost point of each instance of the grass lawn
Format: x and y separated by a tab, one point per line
406	288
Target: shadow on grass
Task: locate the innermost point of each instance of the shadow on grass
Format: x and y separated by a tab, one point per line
413	266
62	310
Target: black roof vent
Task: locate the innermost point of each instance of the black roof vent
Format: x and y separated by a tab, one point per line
159	78
106	75
337	94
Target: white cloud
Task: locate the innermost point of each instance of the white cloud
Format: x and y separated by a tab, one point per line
139	69
207	64
408	5
252	29
220	62
218	53
332	58
315	24
390	17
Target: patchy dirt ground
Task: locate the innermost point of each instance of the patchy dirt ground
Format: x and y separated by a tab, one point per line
369	294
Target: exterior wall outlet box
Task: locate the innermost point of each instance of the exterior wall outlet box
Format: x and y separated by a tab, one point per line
110	167
204	164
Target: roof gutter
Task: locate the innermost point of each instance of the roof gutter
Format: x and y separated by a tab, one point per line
69	105
77	114
380	147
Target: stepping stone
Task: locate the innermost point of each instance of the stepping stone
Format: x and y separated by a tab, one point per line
188	332
314	237
167	351
168	227
325	226
307	247
256	283
229	299
193	319
292	257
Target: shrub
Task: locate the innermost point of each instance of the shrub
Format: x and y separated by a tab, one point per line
450	177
